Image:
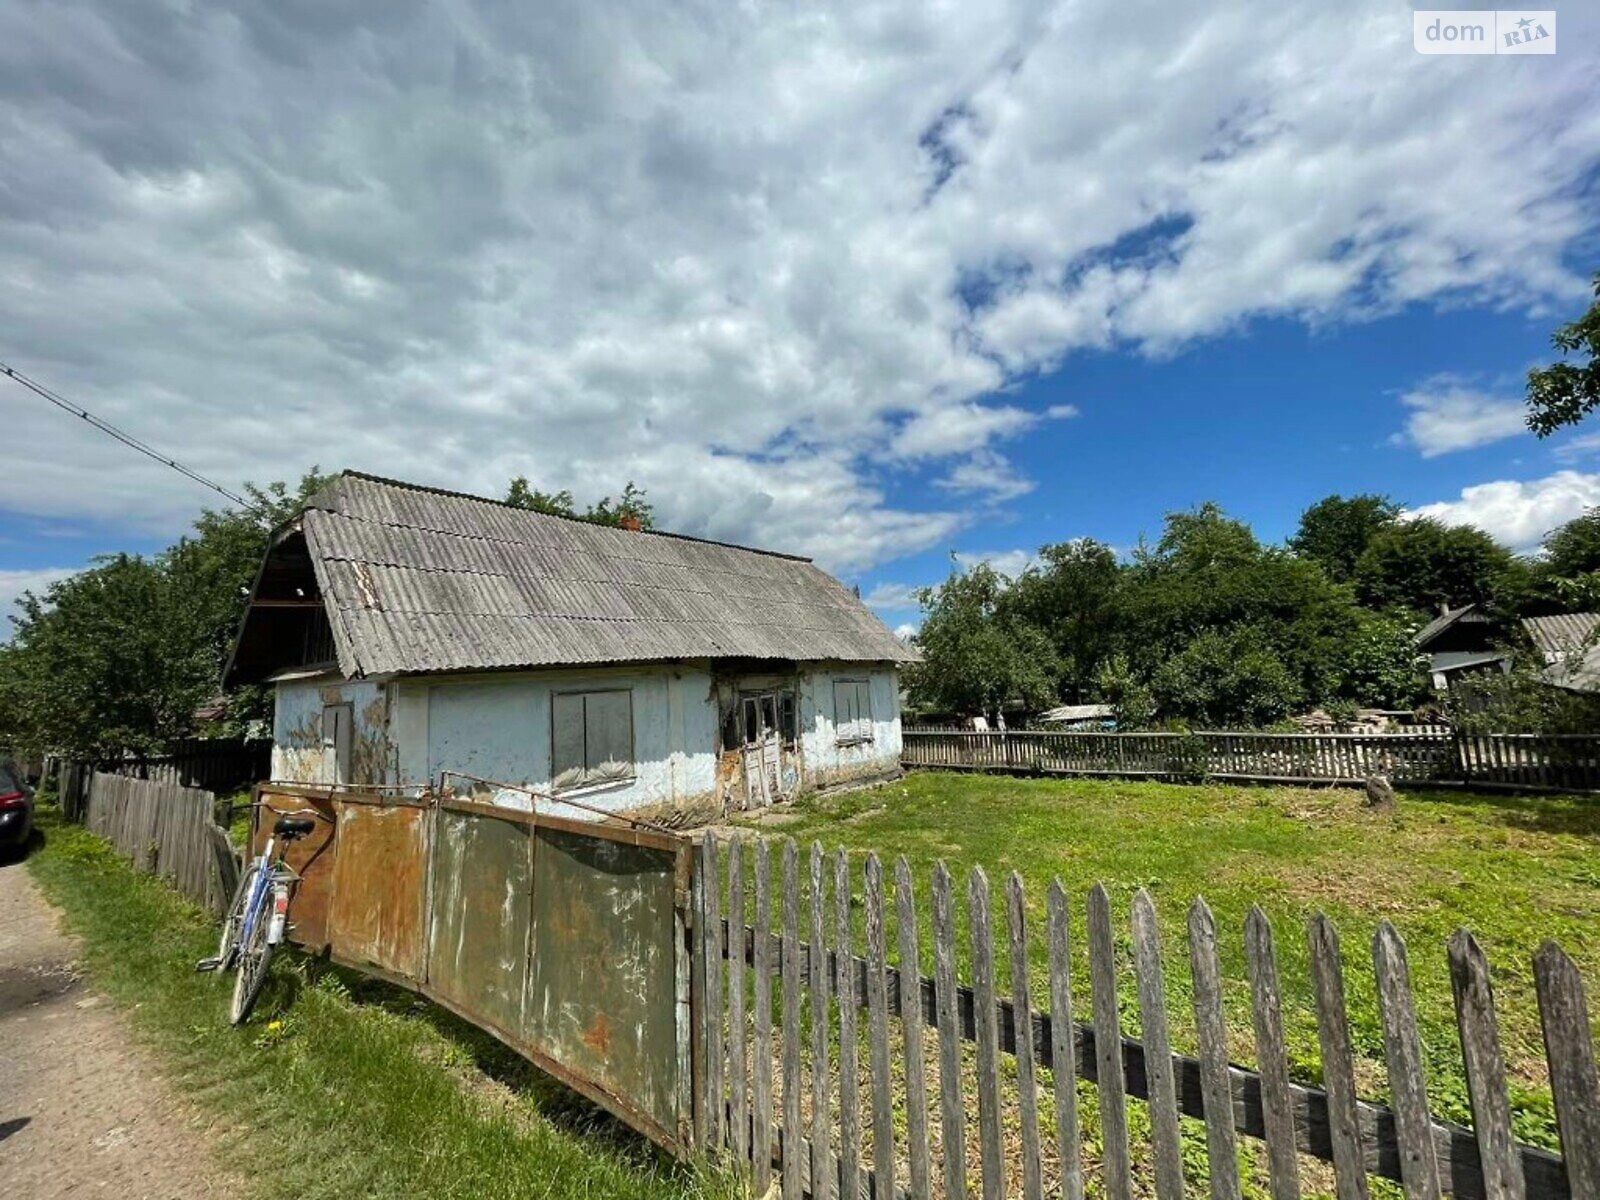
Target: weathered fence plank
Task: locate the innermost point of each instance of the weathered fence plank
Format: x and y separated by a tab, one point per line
821	1164
1486	1069
1338	1063
166	830
716	1044
761	1084
791	1020
1165	1142
878	1033
1402	1051
1569	1049
911	1027
1272	1061
1212	1031
986	1019
952	1112
1022	1014
738	1046
1107	1041
845	987
1063	1054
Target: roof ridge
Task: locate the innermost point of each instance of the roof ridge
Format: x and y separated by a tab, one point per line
368	477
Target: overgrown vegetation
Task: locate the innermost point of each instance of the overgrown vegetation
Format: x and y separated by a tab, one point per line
1513	871
339	1086
1210	626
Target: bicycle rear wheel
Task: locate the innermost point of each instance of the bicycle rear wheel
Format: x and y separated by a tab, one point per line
254	957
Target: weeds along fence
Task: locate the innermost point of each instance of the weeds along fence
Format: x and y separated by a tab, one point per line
168	831
1534	762
852	1076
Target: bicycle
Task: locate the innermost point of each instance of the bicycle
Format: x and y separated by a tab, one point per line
258	916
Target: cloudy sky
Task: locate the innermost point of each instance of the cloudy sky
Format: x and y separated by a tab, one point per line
875	282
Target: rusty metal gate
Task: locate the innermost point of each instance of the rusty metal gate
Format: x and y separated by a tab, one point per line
568	940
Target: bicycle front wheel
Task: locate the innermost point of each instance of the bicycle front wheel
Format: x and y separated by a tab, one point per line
234	921
254	957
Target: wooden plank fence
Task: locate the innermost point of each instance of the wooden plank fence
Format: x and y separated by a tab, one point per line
1510	761
166	830
992	1047
216	764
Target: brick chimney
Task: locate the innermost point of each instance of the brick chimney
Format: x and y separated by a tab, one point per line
629	522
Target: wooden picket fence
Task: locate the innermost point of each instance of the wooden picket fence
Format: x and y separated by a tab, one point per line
166	830
1509	761
773	1105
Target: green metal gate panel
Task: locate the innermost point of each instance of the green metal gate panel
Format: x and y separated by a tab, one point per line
478	934
606	948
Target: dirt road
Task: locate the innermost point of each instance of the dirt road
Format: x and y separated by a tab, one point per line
82	1110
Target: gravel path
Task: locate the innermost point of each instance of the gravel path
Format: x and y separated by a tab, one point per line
82	1110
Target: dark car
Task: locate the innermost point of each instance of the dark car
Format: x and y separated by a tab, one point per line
16	808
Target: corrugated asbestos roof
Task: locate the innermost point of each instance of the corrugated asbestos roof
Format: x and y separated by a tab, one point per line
419	580
1467	613
1557	636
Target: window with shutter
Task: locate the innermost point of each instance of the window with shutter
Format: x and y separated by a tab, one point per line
591	738
852	711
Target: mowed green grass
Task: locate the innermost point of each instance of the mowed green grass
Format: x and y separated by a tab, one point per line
1513	871
339	1087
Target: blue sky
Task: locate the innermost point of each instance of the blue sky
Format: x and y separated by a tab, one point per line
874	284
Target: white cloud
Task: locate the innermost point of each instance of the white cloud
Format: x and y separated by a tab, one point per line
989	475
1519	513
1579	447
13	583
1010	563
893	597
1447	415
905	632
750	256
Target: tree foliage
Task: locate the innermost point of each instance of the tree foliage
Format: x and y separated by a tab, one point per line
978	656
119	656
1564	393
633	503
1424	565
1210	626
1335	532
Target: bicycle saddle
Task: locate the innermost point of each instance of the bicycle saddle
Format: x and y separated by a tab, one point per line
290	828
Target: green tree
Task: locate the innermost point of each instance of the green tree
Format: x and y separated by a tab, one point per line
119	656
1565	392
1573	549
1132	706
1225	678
1335	531
976	657
632	504
1208	573
1071	595
1424	565
1379	666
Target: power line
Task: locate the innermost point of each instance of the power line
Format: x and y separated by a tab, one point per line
127	439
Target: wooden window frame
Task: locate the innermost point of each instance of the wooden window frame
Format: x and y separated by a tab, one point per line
588	781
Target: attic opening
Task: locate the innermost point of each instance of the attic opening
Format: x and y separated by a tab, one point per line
286	625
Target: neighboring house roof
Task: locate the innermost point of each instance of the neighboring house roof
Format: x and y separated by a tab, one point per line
418	580
1460	660
1558	636
1076	712
1467	614
1576	674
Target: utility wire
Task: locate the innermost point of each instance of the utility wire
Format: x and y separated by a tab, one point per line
127	439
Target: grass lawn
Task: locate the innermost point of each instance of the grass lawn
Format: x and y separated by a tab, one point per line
339	1087
1514	871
